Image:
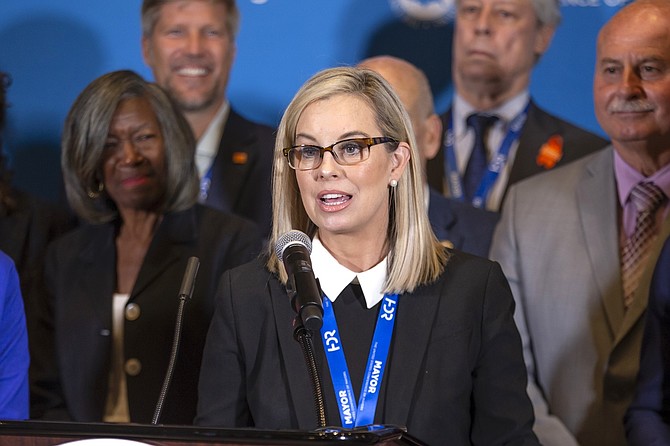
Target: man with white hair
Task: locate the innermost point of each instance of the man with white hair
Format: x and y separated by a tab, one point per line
495	134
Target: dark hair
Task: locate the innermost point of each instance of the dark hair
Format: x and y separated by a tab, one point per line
85	132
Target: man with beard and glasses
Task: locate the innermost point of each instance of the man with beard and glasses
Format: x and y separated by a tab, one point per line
495	133
578	244
190	46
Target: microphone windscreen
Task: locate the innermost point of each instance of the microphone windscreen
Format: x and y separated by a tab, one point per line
188	282
292	237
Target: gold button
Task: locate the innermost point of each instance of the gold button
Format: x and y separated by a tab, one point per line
133	367
132	312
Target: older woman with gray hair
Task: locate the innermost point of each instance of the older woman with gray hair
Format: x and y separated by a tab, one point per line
127	159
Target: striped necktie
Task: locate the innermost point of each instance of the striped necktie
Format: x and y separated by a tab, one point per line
647	198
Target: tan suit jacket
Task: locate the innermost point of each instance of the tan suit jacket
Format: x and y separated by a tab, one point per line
558	244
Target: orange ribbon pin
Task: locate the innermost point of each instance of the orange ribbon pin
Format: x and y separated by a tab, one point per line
551	152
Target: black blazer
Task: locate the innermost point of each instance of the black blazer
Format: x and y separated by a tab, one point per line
242	171
455	370
461	225
25	233
537	130
81	278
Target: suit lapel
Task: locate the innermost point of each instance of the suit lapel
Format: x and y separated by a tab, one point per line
232	162
294	362
410	343
596	197
98	272
535	132
531	139
170	243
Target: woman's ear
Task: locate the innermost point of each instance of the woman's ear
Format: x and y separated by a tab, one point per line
400	158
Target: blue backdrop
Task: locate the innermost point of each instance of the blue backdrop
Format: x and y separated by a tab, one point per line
53	49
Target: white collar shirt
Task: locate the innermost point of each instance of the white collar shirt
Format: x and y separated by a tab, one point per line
464	139
333	277
208	144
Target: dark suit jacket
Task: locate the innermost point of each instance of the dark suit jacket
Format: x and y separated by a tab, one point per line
648	418
537	130
242	171
81	278
25	233
461	225
455	369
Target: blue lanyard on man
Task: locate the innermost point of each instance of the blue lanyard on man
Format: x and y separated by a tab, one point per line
352	415
494	167
205	183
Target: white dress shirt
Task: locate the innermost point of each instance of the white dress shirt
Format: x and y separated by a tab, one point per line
464	139
334	278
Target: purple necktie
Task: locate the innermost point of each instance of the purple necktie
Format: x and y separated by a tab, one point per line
647	198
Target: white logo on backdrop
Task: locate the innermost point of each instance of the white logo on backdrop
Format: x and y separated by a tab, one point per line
426	12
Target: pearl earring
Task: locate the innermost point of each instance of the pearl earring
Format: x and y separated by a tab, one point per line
393	183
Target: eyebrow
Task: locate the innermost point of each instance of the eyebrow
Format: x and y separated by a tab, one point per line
645	59
347	135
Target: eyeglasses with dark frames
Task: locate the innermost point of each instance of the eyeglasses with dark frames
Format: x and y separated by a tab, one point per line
345	153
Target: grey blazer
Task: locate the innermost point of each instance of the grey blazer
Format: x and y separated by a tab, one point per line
558	245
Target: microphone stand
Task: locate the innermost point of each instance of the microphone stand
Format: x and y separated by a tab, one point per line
185	293
304	338
173	358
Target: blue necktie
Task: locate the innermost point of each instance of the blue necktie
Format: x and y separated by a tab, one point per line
478	161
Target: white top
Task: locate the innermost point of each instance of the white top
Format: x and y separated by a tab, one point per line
208	144
116	407
334	277
464	139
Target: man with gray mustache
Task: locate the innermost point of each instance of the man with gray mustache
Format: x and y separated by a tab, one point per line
578	244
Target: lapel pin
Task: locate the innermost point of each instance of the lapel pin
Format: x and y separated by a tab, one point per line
240	157
551	152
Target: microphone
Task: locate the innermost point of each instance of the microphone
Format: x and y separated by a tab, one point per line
293	249
185	294
188	282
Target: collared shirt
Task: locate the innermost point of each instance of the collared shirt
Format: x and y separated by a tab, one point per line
626	179
334	277
208	144
464	139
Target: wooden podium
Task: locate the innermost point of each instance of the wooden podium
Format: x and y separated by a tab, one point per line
40	433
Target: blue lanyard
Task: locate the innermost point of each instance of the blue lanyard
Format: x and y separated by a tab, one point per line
494	168
205	183
374	371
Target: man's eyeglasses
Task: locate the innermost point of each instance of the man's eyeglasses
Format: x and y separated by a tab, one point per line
346	152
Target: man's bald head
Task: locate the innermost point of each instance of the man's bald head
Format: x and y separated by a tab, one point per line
413	88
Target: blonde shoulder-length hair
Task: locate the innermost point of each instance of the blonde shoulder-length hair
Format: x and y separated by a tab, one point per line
415	255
